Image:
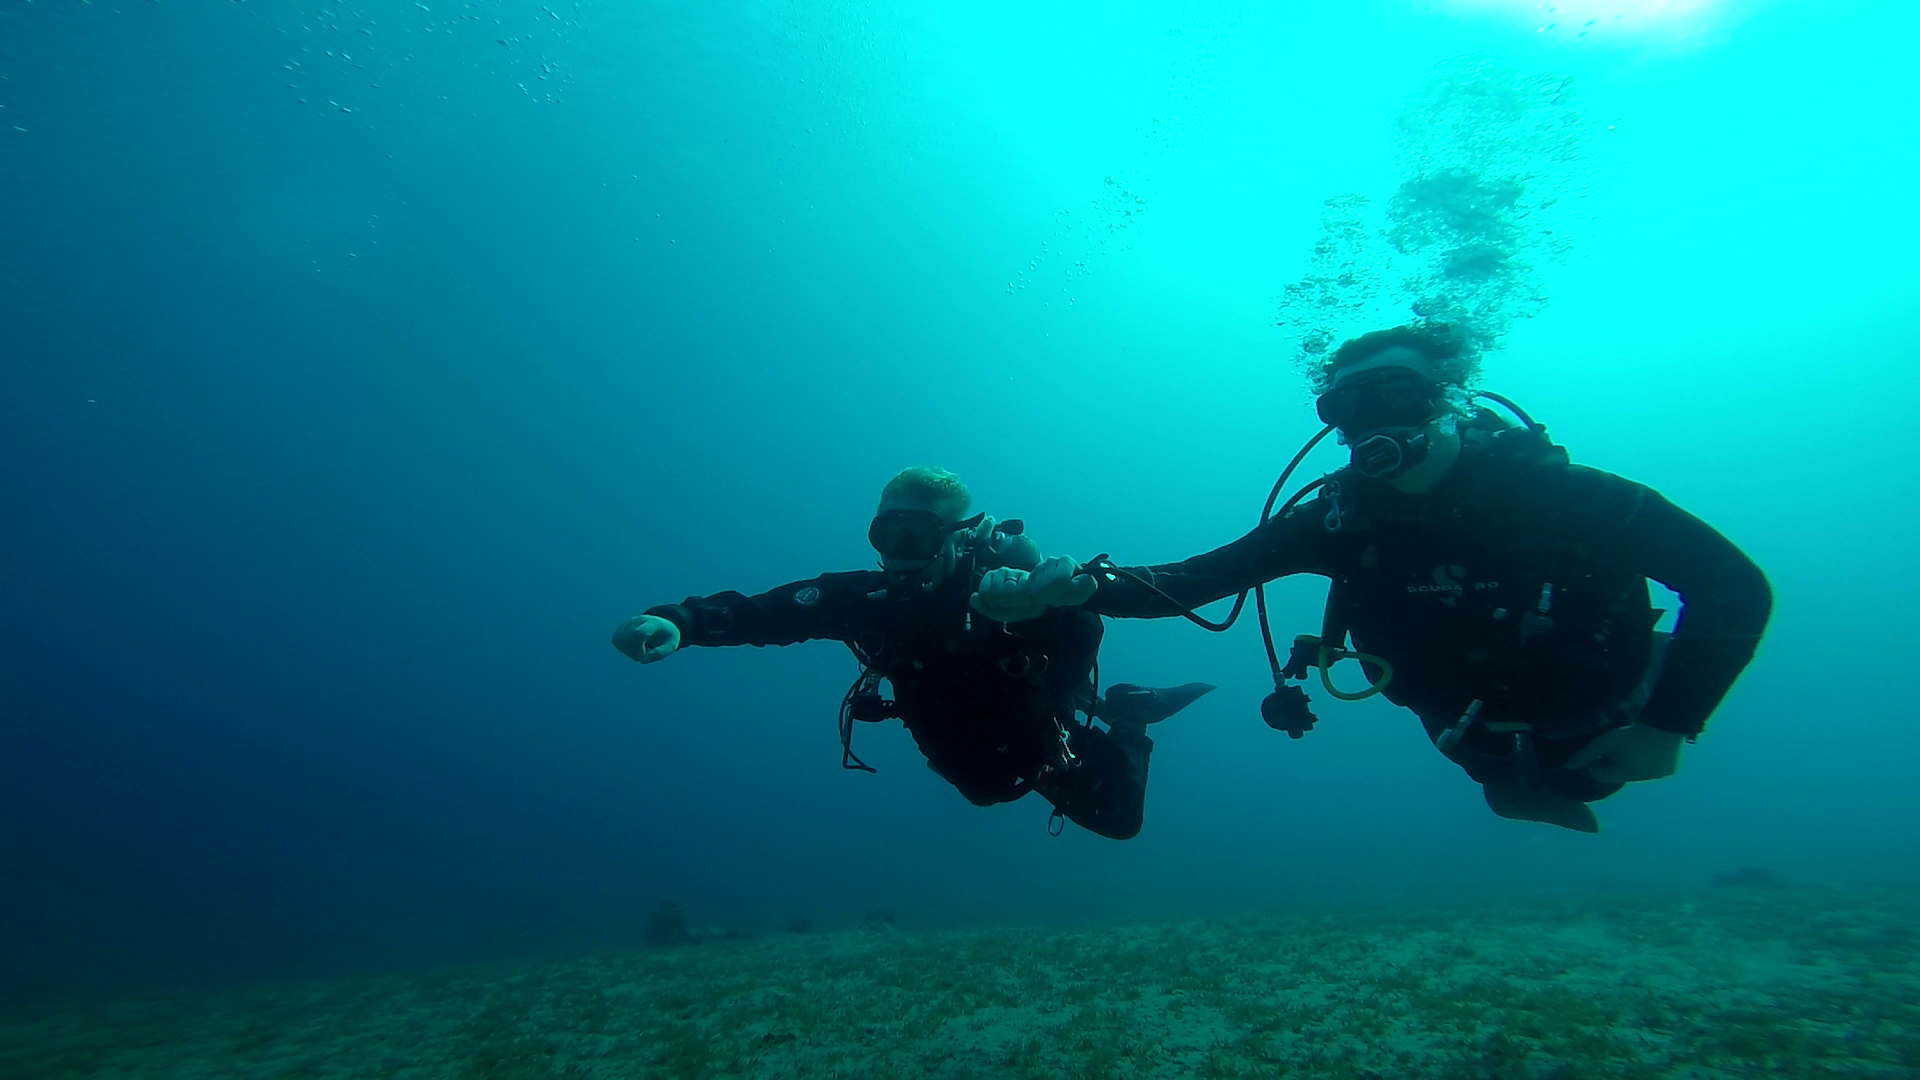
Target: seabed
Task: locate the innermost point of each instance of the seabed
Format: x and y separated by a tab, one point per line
1716	983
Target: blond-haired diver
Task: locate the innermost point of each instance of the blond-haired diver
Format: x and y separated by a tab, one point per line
995	708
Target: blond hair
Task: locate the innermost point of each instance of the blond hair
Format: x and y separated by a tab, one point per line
934	488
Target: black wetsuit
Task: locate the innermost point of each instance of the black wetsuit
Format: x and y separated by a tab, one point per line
986	704
1518	582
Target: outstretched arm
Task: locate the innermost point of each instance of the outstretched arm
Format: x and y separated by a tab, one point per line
1283	546
828	606
1280	547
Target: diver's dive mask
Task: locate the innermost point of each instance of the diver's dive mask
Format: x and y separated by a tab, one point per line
918	546
1382	415
913	535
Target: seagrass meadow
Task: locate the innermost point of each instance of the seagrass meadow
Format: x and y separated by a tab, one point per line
1717	983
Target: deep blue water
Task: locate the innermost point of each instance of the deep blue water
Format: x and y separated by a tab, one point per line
362	365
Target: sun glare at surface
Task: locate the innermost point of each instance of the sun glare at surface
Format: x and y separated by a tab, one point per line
1672	22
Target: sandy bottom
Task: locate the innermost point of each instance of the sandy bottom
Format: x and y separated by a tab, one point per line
1720	983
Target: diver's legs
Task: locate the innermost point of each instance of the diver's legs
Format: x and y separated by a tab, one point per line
1513	781
1106	791
1539	789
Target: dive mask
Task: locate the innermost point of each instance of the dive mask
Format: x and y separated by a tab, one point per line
1382	415
913	535
1383	397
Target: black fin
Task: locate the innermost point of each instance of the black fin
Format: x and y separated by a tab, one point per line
1127	705
1533	802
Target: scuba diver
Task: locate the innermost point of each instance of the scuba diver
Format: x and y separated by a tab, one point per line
1487	585
992	707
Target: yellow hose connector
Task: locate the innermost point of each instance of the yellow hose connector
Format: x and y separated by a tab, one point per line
1325	658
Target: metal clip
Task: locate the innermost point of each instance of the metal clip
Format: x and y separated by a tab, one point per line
1451	737
1067	757
1333	521
1535	622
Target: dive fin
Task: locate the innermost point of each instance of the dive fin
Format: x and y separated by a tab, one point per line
1523	802
1130	706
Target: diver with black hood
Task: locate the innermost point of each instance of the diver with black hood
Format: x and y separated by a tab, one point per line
1487	584
995	708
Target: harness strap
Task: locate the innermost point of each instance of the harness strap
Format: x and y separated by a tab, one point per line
1333	620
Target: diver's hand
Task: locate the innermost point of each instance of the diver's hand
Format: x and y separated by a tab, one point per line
1009	596
1058	582
647	638
1628	754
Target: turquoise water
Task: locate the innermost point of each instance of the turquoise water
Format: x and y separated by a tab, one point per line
363	365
